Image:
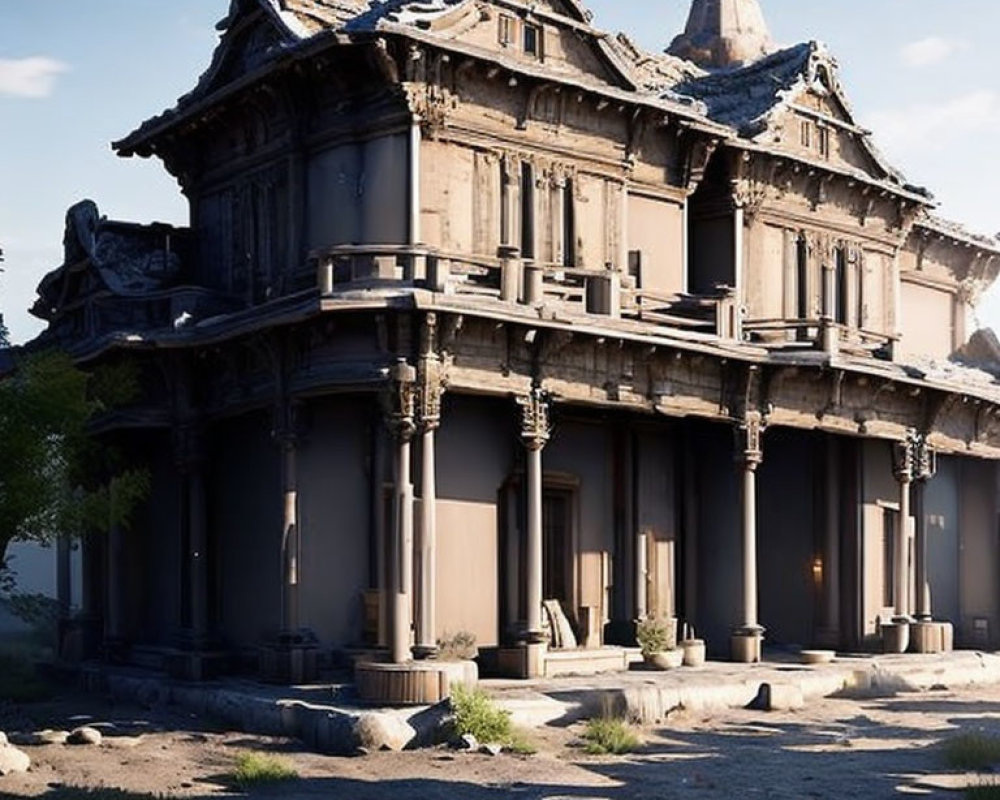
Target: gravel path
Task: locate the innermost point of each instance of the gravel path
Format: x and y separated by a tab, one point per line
876	748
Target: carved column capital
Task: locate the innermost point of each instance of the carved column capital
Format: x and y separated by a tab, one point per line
913	458
749	448
432	377
399	401
535	428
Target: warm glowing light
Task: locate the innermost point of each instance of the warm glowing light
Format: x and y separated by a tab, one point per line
818	570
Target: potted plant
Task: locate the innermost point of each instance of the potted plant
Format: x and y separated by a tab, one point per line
693	648
657	640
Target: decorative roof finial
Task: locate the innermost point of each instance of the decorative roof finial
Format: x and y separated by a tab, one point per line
723	33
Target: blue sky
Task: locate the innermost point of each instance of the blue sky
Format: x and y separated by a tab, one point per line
76	75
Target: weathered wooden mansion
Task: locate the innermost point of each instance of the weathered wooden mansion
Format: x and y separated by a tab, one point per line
481	307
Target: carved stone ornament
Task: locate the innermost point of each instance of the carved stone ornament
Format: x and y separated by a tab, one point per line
535	428
750	439
914	459
400	400
432	377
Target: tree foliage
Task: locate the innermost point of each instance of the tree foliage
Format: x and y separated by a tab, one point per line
55	478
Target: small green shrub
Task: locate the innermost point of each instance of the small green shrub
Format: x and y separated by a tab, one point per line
460	647
610	736
973	751
253	769
521	743
653	636
477	715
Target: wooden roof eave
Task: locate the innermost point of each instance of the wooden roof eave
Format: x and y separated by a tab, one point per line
750	146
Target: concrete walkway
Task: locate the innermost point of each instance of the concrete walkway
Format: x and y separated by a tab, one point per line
324	717
649	697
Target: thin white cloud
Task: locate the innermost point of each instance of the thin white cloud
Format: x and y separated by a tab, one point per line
930	51
932	127
29	77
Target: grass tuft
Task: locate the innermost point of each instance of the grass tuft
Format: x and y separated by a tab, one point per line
973	751
477	715
254	769
610	736
521	743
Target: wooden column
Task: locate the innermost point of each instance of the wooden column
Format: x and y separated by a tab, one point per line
749	456
926	467
534	435
401	421
904	467
430	373
291	548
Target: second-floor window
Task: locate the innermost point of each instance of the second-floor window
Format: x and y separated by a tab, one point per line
532	40
507	28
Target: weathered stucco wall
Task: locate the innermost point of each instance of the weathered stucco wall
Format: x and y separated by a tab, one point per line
979	562
245	512
787	535
334	513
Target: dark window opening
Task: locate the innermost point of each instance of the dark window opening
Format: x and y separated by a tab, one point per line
841	285
889	557
569	226
532	40
802	277
527	211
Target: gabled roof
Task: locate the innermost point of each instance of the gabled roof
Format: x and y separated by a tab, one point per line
752	99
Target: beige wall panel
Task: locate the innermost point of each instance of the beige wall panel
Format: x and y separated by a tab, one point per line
591	208
334	211
873	293
447	187
927	325
385	189
467	594
979	556
334	509
656	229
764	270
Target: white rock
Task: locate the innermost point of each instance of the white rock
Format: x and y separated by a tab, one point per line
85	735
3	739
468	742
383	732
491	749
13	760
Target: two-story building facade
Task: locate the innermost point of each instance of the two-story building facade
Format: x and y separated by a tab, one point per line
486	318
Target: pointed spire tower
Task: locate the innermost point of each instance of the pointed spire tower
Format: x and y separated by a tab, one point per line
723	33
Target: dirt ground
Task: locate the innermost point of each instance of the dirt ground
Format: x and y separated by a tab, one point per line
875	748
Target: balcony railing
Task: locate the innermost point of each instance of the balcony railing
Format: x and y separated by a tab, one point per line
574	291
820	334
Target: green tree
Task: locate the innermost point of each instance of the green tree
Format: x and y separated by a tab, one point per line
54	477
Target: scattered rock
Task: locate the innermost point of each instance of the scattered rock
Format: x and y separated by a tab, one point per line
3	739
778	697
85	735
938	687
383	732
13	760
124	742
466	742
41	738
491	749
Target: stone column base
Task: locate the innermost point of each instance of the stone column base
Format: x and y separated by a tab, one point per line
523	660
415	684
291	659
895	636
931	637
747	646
